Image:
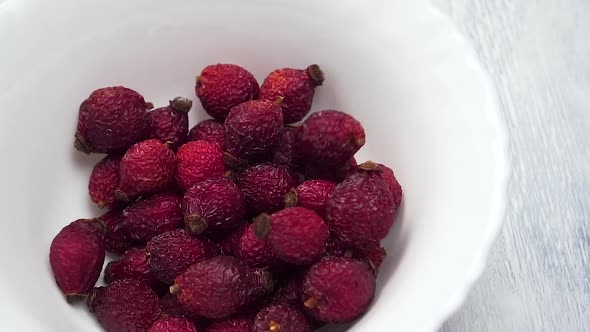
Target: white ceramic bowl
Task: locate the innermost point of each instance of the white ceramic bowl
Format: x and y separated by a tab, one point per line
398	66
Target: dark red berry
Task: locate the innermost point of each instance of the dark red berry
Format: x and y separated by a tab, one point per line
296	87
172	308
133	264
208	130
280	318
338	289
329	138
232	325
290	292
285	152
104	180
198	161
297	235
173	324
373	254
76	256
223	86
360	209
388	177
116	239
311	194
110	120
228	243
170	124
213	205
254	251
146	168
265	186
152	216
220	286
252	129
330	173
171	253
125	305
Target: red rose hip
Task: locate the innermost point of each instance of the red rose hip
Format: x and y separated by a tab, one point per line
116	239
172	324
208	130
281	318
311	194
254	251
265	186
389	178
133	264
152	216
198	161
104	180
170	124
285	152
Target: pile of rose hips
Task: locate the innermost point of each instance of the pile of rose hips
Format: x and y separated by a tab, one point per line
246	223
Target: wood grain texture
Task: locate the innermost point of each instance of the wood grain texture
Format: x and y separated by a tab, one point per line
538	54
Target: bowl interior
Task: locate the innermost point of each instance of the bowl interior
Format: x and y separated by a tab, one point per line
396	66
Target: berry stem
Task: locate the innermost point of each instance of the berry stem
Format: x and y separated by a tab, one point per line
181	104
262	225
175	289
74	297
80	145
195	223
316	74
233	162
274	326
120	195
311	303
368	166
291	198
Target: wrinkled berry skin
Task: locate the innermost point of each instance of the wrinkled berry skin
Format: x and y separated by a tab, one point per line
231	325
170	124
254	251
265	186
172	308
146	168
228	243
338	289
172	324
198	161
336	174
285	152
220	87
152	216
392	184
76	256
373	254
171	253
330	138
290	291
297	235
280	318
125	305
312	194
252	129
220	286
296	87
116	239
360	210
110	120
208	130
133	264
104	180
213	205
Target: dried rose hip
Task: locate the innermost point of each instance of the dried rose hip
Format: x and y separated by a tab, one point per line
331	173
133	264
388	177
104	180
281	318
296	87
228	243
360	209
297	235
171	253
285	152
170	124
231	325
208	130
125	305
338	289
220	286
311	194
172	308
110	120
330	138
152	216
223	86
116	239
173	324
252	129
254	251
213	205
265	186
198	161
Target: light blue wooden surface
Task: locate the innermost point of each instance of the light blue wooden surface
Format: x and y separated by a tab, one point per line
538	54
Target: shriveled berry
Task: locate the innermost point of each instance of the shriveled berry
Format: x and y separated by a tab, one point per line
104	180
76	256
331	173
252	129
231	325
228	243
110	120
311	194
208	130
133	264
297	235
172	308
116	239
265	186
125	305
146	168
289	293
296	87
223	86
198	161
330	138
254	251
213	205
285	152
388	177
170	124
373	254
220	286
152	216
173	324
171	253
338	289
280	318
360	209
